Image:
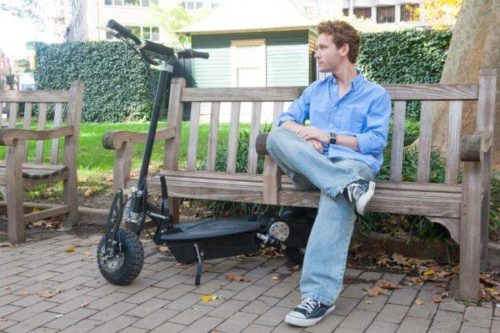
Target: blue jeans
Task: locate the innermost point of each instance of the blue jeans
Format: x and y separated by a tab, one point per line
326	253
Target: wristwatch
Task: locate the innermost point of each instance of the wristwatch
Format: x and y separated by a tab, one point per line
333	138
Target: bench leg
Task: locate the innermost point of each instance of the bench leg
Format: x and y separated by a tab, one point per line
470	232
70	196
173	204
14	195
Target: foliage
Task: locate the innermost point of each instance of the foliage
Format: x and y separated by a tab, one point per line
406	56
443	13
47	15
116	87
172	16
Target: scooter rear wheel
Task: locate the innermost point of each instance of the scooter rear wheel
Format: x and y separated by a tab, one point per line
126	263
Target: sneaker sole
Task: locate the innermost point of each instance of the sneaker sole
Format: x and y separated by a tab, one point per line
302	322
365	198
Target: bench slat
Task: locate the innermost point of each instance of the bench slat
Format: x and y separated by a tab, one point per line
45	96
272	174
232	145
194	124
14	108
212	138
453	151
240	94
424	142
42	121
27	124
54	156
254	132
432	92
398	136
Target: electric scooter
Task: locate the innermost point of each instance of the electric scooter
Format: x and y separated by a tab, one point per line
120	254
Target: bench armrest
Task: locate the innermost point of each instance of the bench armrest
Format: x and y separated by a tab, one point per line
114	140
260	144
473	147
9	135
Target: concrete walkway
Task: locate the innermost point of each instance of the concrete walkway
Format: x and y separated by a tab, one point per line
43	288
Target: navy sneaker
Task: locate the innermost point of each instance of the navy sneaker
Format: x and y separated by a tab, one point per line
308	313
361	192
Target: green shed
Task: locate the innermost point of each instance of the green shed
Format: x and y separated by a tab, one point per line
254	44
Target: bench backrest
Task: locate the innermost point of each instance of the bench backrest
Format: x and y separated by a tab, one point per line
43	109
234	98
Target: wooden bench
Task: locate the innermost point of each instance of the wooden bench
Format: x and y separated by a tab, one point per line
461	208
27	164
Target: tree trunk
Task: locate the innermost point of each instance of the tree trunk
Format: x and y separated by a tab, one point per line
474	45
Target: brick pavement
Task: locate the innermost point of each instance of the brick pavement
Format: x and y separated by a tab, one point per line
165	299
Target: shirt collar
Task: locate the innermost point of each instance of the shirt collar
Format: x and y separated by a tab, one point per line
356	83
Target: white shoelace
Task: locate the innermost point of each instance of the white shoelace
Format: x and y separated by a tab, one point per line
308	304
355	191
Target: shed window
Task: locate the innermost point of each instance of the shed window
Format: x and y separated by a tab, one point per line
363	12
248	63
386	14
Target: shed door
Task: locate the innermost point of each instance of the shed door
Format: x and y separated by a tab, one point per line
248	63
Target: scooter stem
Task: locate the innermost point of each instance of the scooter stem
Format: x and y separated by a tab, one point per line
166	68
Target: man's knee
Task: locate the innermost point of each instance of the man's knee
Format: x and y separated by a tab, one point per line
277	138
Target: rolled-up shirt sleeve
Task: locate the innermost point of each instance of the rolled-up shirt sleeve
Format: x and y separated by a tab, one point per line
373	140
298	110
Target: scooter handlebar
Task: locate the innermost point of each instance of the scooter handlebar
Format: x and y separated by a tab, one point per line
190	53
122	31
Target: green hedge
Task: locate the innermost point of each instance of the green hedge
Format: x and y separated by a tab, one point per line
407	56
117	88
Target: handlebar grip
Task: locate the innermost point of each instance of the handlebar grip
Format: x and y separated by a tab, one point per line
189	53
158	48
124	32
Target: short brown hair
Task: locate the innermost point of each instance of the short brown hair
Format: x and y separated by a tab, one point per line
342	33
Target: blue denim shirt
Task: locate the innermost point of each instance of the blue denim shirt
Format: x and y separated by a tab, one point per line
363	112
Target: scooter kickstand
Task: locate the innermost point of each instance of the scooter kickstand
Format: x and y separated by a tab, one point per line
199	265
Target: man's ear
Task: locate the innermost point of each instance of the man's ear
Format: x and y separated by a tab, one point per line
344	50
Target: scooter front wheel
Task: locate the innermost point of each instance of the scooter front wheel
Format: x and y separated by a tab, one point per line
122	264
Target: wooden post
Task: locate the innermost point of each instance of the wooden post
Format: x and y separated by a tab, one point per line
171	154
485	122
470	232
14	191
70	193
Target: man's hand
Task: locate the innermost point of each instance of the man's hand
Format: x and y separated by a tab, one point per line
318	146
312	133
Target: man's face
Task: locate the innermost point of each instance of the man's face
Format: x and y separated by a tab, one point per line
328	55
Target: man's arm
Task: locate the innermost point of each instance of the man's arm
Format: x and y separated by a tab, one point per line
313	133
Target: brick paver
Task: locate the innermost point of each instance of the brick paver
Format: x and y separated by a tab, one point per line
165	299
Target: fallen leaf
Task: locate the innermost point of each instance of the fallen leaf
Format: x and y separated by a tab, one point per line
2	319
389	285
6	288
35	209
23	293
88	193
208	298
437	300
415	280
49	293
237	278
368	302
275	278
419	301
87	253
374	291
7	244
84	305
164	249
70	249
429	272
296	267
400	259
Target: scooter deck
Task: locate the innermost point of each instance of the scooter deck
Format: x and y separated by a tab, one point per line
211	228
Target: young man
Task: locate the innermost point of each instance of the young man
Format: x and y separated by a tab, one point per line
338	153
